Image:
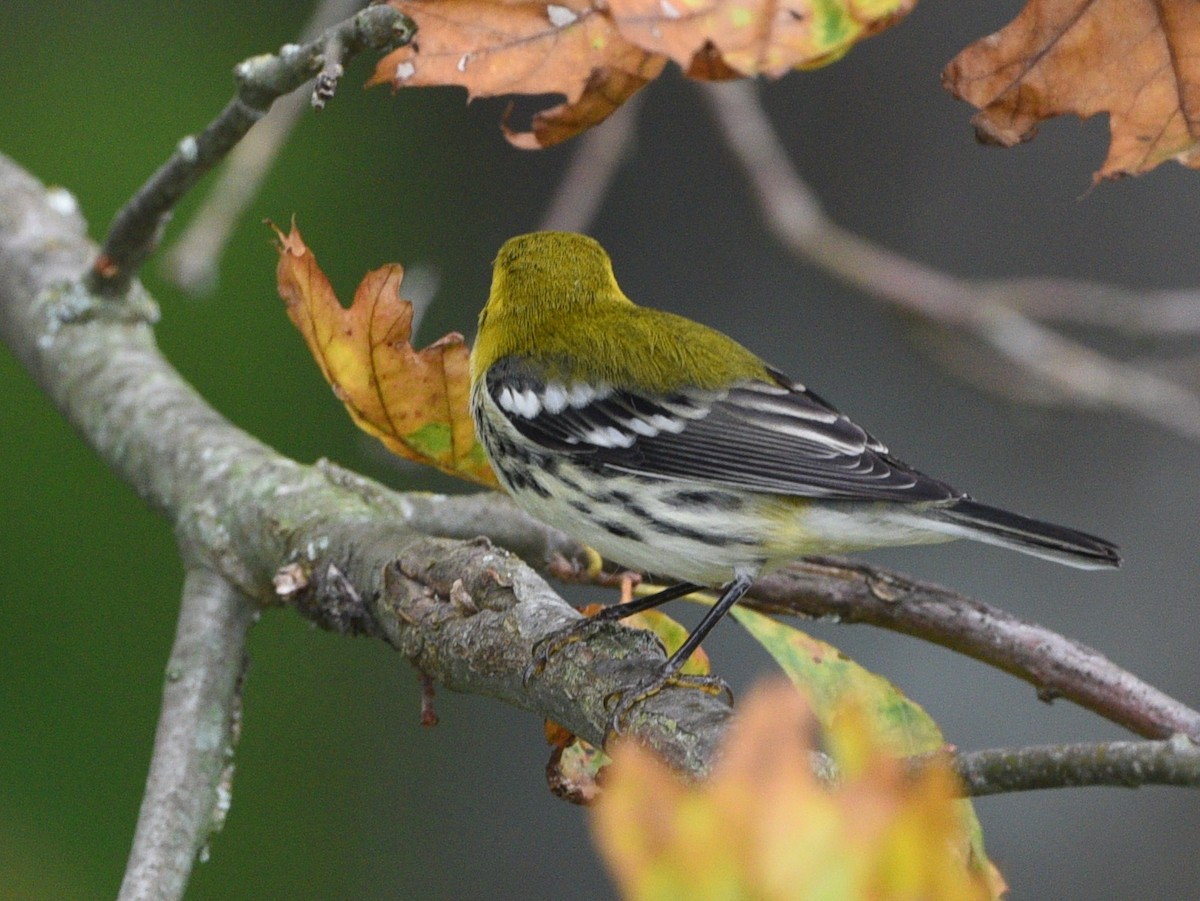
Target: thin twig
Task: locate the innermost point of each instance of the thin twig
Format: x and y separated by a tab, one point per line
1073	370
261	79
1129	764
193	262
1056	666
191	773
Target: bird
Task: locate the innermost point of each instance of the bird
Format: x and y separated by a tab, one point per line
669	448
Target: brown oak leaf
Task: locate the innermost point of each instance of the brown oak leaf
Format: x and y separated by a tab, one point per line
1137	60
498	47
598	53
604	92
753	37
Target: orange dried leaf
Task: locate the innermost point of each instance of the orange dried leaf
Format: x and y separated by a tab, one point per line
598	53
415	402
764	826
556	735
605	91
1137	60
496	47
493	47
753	37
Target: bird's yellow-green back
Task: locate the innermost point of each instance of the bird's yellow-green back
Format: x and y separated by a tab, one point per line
556	301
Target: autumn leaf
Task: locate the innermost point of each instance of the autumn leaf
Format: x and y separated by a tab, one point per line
606	89
829	677
573	773
494	47
498	47
764	826
831	680
598	53
1137	60
415	402
753	37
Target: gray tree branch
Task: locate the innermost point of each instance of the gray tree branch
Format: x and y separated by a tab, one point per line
193	263
191	772
1132	764
1056	666
246	513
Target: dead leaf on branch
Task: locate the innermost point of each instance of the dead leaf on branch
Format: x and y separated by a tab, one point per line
604	92
598	53
493	48
753	37
415	402
496	47
1137	60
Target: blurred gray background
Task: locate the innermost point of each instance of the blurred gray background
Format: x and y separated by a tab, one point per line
339	793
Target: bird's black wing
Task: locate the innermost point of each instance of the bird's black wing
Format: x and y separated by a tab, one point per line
772	437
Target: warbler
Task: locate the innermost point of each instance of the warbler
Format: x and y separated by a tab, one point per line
670	448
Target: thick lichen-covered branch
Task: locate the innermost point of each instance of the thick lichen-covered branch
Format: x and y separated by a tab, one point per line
246	513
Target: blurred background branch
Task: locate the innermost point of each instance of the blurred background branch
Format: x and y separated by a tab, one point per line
1069	370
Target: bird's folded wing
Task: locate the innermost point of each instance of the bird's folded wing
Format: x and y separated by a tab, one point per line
758	436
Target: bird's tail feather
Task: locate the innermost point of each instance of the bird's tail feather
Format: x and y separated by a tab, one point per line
969	519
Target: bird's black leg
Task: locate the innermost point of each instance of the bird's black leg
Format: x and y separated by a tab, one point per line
555	642
669	673
649	602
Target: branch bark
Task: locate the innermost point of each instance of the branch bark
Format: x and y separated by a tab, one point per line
193	263
1131	764
191	773
1055	665
245	512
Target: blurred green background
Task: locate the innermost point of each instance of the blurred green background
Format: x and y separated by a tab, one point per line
339	793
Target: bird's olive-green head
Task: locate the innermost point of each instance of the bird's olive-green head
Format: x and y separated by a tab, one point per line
551	271
556	301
